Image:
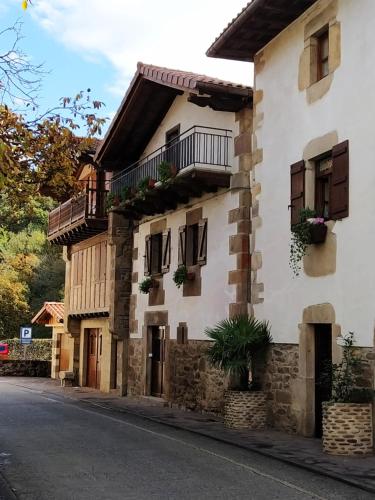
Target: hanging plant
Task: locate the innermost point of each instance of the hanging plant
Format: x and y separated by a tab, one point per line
310	230
182	275
146	285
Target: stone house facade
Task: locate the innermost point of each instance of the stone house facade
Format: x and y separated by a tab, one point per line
153	344
312	148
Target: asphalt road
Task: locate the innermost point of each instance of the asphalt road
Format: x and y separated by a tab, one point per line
56	448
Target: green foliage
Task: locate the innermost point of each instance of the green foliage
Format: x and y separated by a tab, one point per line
300	240
239	344
39	349
143	185
342	377
164	171
31	270
180	276
145	285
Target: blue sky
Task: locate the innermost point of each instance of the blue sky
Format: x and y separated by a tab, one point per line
97	43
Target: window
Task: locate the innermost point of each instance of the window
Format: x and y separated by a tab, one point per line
323	175
323	54
172	153
192	246
331	185
158	253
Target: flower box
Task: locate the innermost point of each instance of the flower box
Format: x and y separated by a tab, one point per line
318	233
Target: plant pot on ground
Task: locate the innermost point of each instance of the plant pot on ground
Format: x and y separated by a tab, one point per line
347	417
239	345
308	231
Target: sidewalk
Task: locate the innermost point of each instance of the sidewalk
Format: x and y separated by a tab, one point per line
295	450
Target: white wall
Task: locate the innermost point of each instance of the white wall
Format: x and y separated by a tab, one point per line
187	115
213	304
289	125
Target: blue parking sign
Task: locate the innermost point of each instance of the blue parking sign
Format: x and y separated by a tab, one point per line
26	334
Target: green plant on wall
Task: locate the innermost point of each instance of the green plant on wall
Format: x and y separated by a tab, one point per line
301	239
239	346
343	377
145	285
180	276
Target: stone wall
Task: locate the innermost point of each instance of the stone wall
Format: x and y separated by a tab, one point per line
28	368
347	429
280	370
194	384
136	382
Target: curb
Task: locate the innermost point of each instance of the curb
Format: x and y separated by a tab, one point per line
254	449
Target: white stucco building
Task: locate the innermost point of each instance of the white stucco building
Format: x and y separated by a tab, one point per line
312	147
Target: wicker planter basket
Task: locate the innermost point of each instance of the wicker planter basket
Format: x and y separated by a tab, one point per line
245	409
347	429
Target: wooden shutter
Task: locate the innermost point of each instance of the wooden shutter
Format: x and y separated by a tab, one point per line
182	245
297	191
339	202
202	242
166	251
147	262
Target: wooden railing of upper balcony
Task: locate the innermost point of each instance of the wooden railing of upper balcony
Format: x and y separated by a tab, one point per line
87	208
208	148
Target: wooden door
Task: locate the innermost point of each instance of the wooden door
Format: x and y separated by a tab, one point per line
64	353
323	354
94	347
158	359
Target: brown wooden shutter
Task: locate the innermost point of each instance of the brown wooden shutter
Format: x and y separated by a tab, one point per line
202	242
166	251
147	262
297	191
339	202
182	245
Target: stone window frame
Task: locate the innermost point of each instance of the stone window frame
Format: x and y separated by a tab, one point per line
316	25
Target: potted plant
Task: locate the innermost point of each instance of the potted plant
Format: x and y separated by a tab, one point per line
164	171
308	231
146	285
239	344
144	185
182	275
112	200
347	417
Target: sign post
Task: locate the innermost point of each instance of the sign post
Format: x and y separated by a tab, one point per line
26	338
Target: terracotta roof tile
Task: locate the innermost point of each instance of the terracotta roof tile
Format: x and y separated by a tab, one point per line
54	309
186	80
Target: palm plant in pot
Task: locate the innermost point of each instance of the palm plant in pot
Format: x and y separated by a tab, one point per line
239	348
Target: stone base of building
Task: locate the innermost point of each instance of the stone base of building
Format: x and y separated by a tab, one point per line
136	368
347	429
194	384
245	409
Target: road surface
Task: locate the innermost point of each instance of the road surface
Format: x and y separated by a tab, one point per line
54	448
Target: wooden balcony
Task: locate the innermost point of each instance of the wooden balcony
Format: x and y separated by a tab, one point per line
78	218
201	158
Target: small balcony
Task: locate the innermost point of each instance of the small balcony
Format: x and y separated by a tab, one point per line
78	218
200	159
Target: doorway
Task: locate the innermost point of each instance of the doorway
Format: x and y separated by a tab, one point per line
157	360
323	354
94	353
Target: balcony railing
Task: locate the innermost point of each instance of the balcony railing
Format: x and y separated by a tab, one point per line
85	209
204	147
